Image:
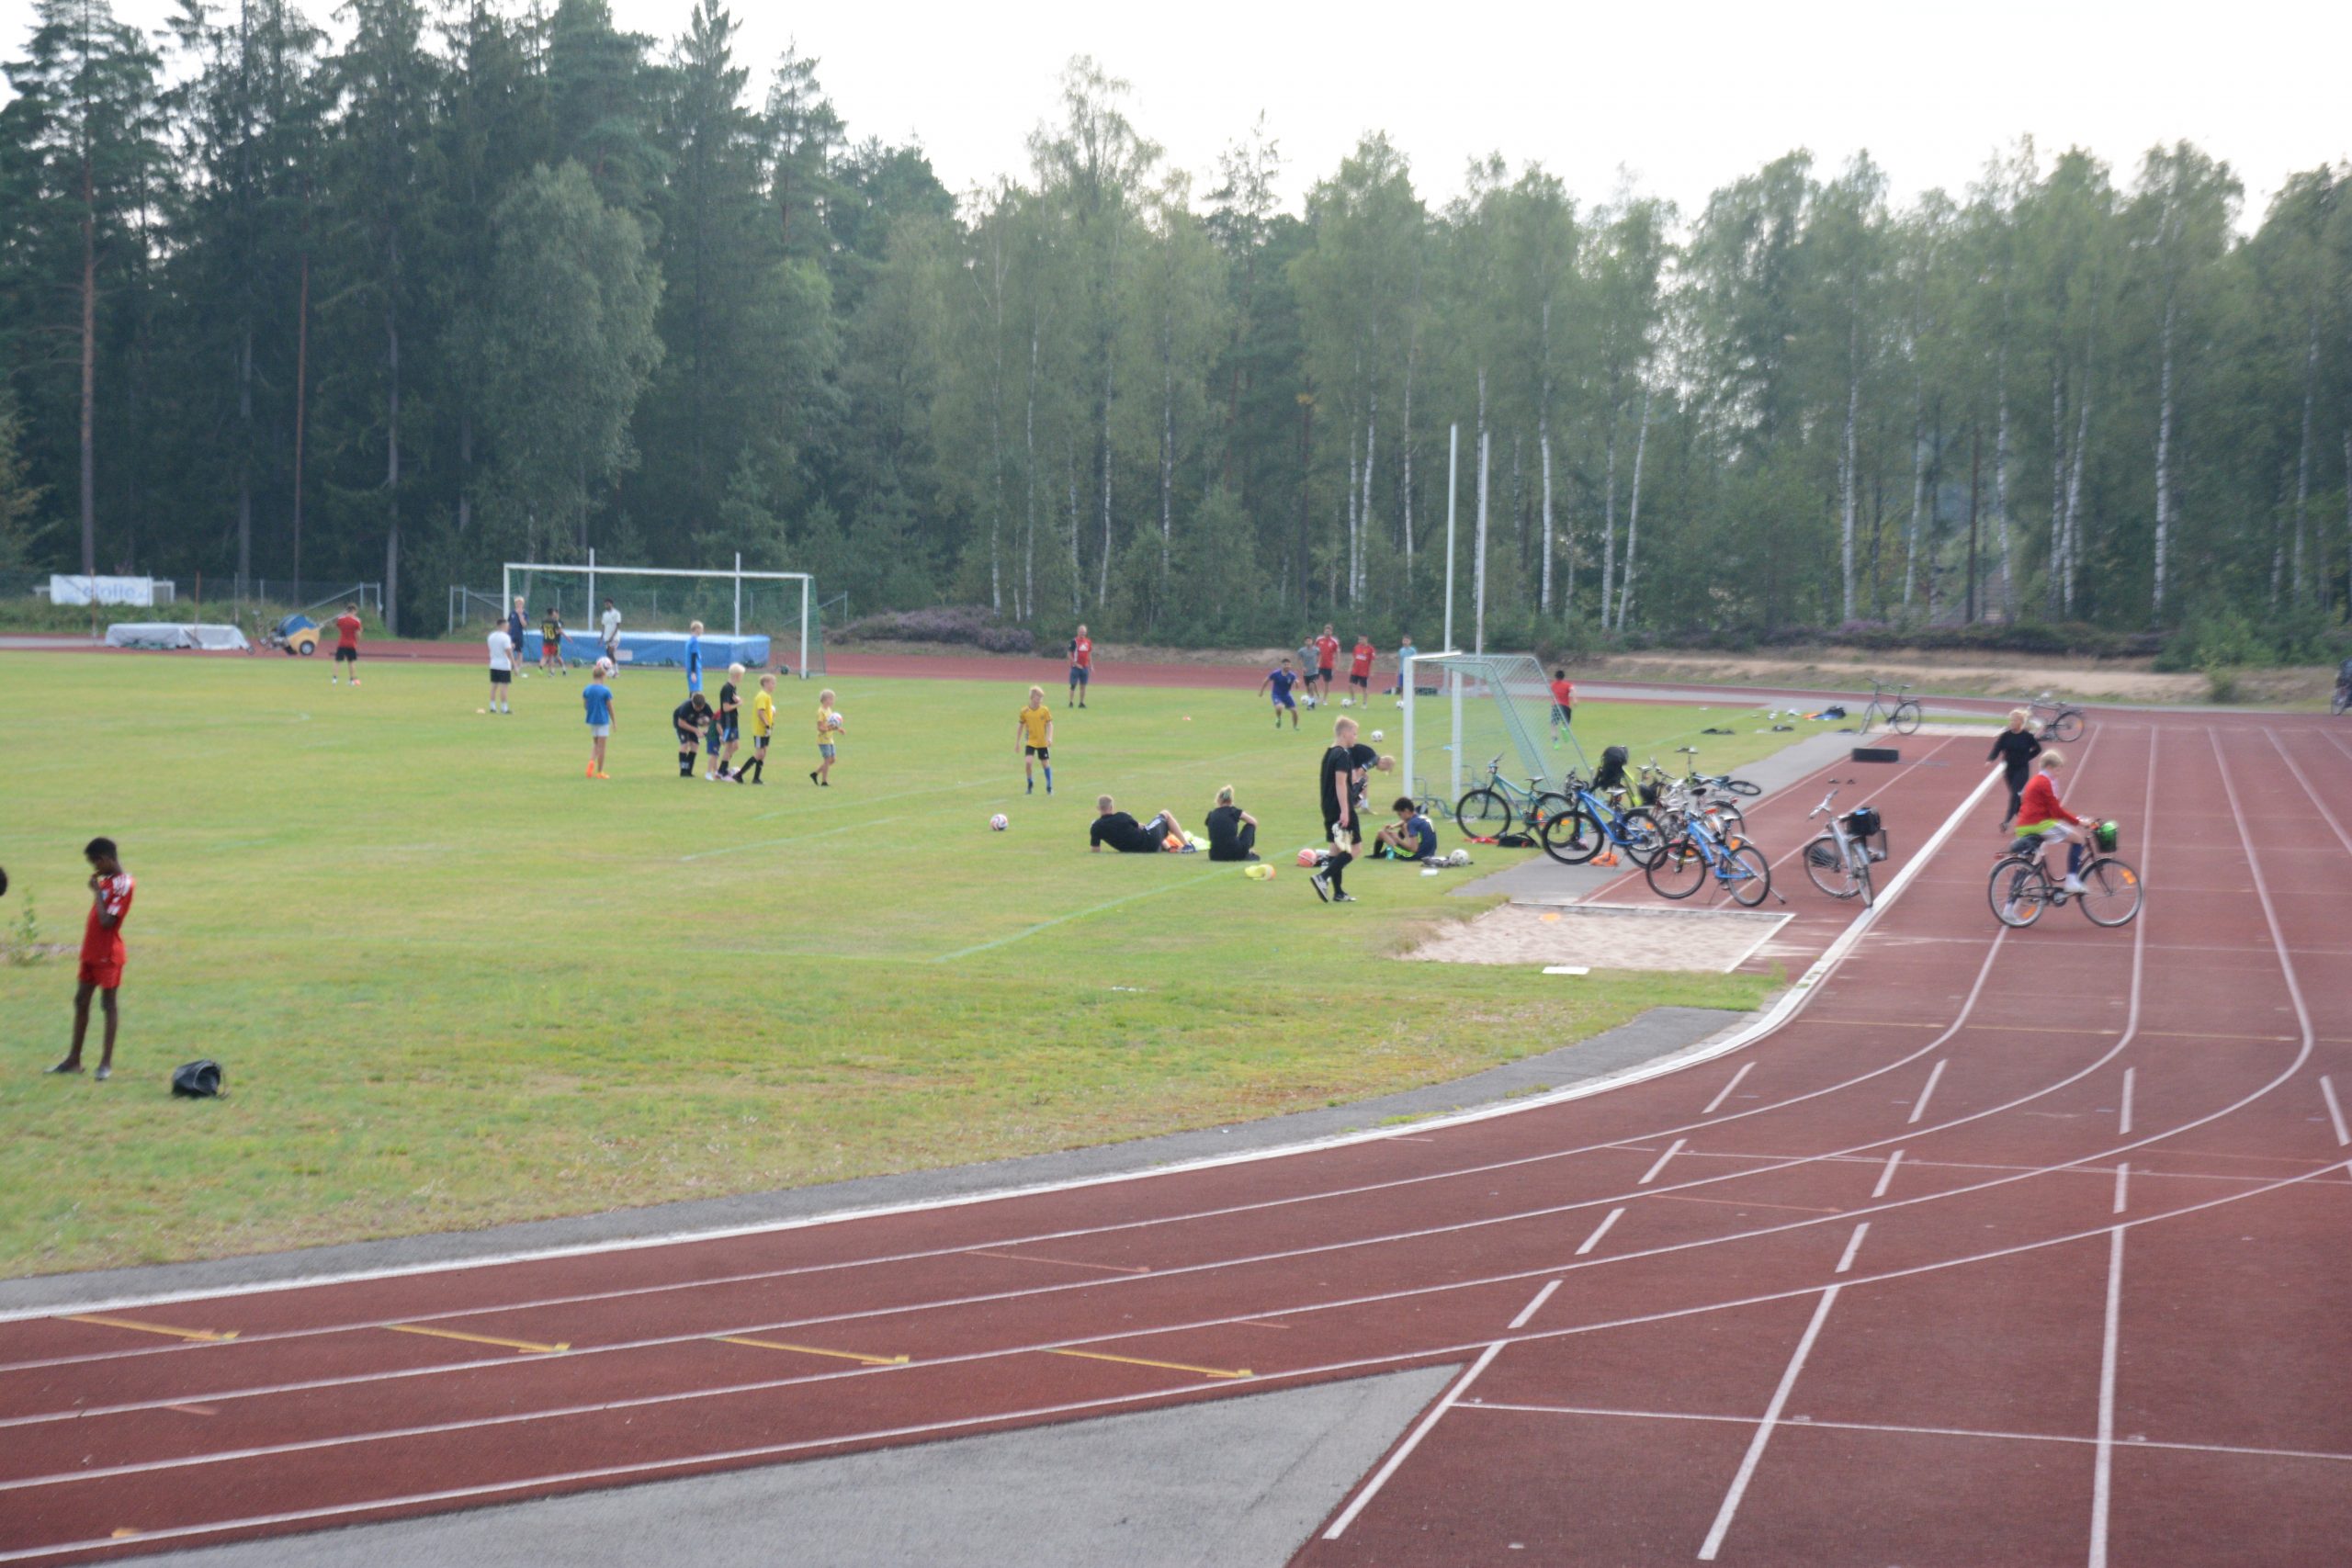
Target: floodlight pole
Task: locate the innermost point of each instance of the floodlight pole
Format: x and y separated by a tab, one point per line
1453	463
739	593
1404	680
1478	566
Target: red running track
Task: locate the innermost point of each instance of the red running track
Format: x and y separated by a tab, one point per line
2007	1247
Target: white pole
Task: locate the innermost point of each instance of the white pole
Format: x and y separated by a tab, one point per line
505	589
1478	566
739	593
1404	675
1453	691
592	584
1453	462
804	628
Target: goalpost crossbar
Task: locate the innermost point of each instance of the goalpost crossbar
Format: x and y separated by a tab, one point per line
733	577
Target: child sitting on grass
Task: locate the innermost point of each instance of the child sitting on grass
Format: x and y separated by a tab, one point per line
1411	837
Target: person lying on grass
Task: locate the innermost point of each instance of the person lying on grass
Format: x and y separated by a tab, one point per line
1411	837
1113	829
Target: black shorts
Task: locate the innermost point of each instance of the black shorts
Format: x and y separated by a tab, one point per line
1363	681
347	655
688	739
1354	830
728	729
1323	674
1037	751
501	677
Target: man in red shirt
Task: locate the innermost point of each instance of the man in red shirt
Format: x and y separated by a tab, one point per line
1564	704
102	953
2041	815
346	650
1359	668
1326	659
1082	666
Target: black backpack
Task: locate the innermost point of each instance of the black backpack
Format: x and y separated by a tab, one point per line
199	1079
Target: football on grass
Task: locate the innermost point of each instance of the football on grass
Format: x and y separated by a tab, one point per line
1379	734
1000	822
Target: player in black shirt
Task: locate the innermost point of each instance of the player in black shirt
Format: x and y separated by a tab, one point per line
1342	823
1233	832
724	726
1115	830
693	719
2015	749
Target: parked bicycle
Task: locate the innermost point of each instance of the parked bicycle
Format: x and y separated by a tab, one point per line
1487	809
2053	720
1688	859
1901	715
2343	698
1671	800
1575	835
2021	886
1839	860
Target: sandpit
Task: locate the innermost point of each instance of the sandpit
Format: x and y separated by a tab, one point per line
1604	936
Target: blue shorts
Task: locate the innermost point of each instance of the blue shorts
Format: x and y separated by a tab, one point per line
1287	701
825	750
1079	675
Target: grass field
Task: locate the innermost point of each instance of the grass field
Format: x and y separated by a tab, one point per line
455	983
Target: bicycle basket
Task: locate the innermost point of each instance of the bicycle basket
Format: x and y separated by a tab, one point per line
2105	834
1863	822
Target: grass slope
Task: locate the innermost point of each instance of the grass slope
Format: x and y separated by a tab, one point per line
455	983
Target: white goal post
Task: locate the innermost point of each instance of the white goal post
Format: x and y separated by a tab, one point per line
1463	709
781	602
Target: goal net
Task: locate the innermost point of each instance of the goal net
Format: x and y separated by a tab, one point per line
1465	711
760	619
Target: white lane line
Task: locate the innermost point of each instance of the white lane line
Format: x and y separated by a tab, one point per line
1853	1245
1531	1308
2124	1119
1754	1454
1672	1149
1028	931
1725	1093
1886	1177
1598	1231
1920	1106
1790	1002
1453	1396
2123	1186
2103	1464
2334	1111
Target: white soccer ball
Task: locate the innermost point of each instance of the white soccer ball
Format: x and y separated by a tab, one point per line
1379	734
1347	702
836	721
1000	822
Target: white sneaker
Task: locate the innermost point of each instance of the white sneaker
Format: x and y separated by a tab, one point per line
2073	884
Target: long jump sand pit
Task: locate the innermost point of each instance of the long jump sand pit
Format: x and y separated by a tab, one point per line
1604	936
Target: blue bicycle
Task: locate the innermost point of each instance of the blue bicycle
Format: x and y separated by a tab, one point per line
1577	834
1688	859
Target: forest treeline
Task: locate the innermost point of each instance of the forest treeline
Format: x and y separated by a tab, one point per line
476	282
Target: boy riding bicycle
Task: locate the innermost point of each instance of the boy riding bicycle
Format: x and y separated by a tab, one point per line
2041	815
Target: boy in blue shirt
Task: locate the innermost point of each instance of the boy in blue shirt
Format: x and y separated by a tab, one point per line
1411	837
1405	655
1281	680
597	698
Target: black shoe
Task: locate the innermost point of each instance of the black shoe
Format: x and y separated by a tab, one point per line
812	776
1250	857
68	1066
1322	885
1343	897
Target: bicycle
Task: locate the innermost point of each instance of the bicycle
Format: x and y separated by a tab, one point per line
2341	700
1686	861
2019	888
1485	810
1839	860
2055	721
1902	716
1671	800
1575	835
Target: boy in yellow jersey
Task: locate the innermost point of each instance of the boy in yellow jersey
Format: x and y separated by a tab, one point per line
762	727
829	729
1034	733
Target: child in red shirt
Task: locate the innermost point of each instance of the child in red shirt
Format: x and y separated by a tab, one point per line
1360	659
2041	815
346	648
1564	704
102	953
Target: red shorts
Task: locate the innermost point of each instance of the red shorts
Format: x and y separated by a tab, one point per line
106	974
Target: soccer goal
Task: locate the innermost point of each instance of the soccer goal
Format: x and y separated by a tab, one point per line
756	618
1465	711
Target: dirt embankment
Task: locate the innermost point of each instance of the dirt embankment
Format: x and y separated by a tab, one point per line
1966	674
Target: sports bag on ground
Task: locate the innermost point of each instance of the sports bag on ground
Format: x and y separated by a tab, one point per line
199	1079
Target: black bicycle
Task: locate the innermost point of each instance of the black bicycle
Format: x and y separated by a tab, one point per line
2054	720
2020	888
1902	715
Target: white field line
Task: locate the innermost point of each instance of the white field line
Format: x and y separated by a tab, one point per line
2123	1186
1589	1243
1790	1003
1886	1177
1672	1149
1756	1444
2123	1116
1853	1245
1531	1308
1920	1106
2103	1463
1725	1093
2334	1111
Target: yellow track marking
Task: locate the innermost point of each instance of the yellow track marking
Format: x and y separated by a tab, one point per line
1166	1366
207	1335
813	1350
478	1339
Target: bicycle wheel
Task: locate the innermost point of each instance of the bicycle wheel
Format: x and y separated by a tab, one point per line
1643	837
2017	892
1548	805
1741	786
1571	837
1745	875
1435	806
2112	892
1905	720
1826	863
1679	871
1726	823
2338	703
2068	726
1862	859
1482	813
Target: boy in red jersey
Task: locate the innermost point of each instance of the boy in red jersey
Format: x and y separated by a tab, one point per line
1082	666
102	953
1563	705
1360	659
346	648
1327	656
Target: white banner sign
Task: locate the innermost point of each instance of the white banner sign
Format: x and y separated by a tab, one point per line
101	590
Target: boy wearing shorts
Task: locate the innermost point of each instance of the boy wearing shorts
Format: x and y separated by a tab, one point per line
1360	659
597	698
725	725
1343	826
612	631
1564	704
550	643
691	720
502	669
762	728
102	953
1033	732
1280	681
829	728
1326	659
1411	837
1082	666
347	647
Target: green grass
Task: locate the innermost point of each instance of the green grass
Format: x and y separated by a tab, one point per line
453	983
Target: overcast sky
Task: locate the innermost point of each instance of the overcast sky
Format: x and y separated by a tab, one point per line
1684	97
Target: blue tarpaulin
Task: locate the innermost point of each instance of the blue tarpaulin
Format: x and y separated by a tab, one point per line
640	648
